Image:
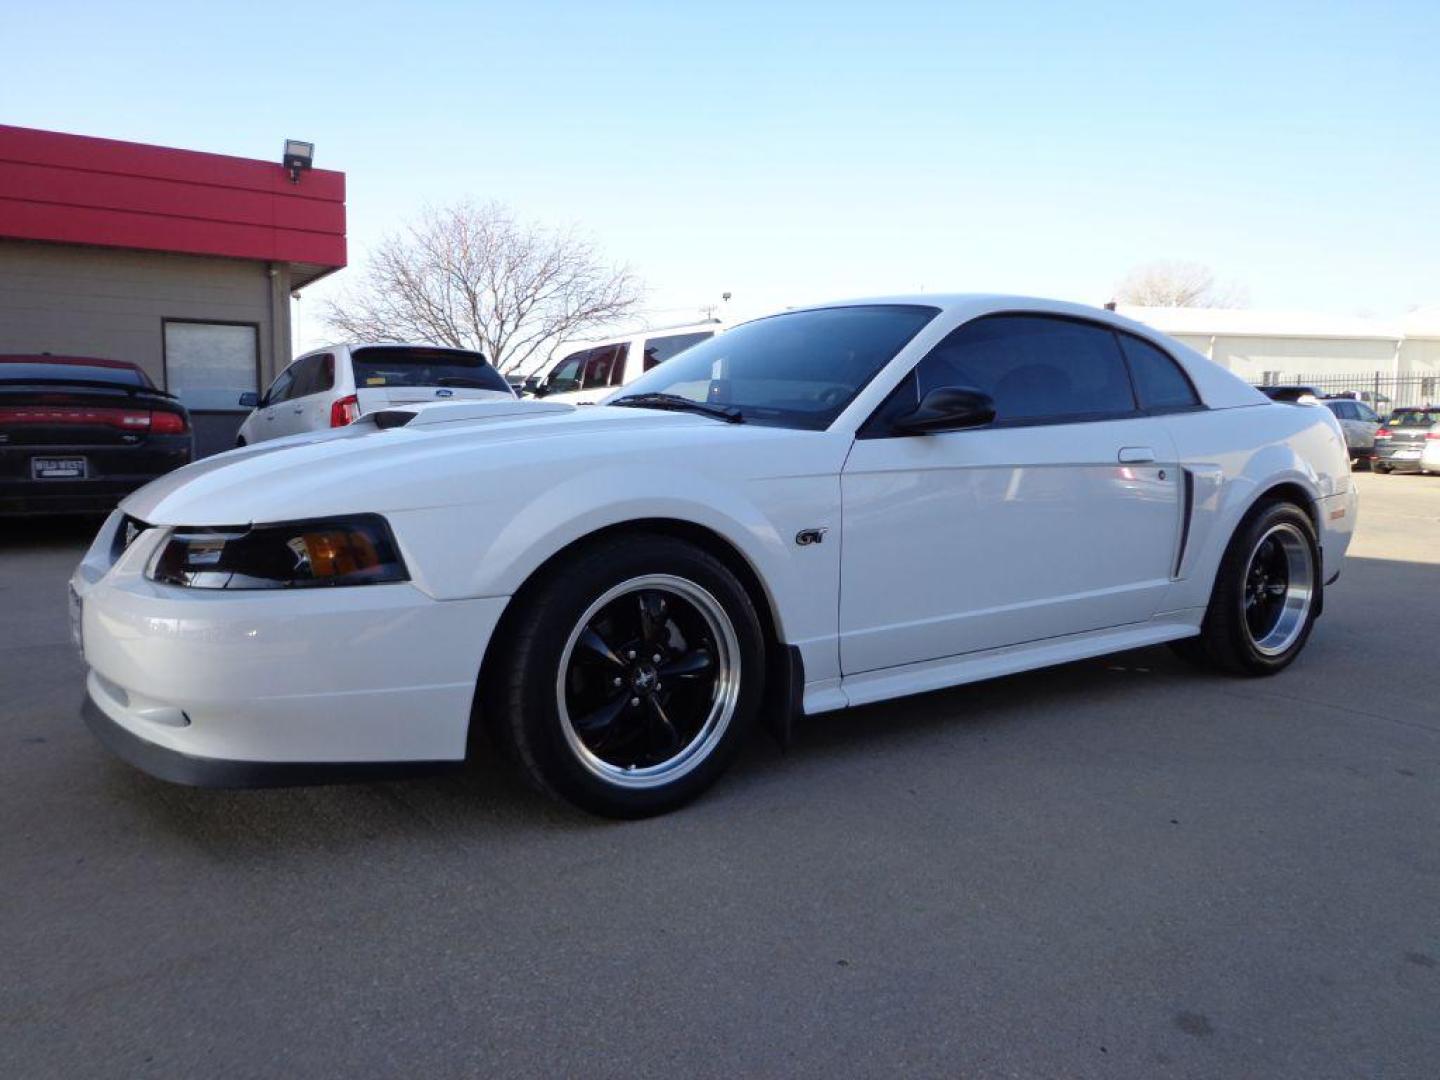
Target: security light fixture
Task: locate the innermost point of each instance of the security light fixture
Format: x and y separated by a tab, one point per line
299	156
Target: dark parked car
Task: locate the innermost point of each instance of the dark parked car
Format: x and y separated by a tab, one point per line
1409	441
77	434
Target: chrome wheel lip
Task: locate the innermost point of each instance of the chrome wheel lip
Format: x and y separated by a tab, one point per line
724	699
1299	589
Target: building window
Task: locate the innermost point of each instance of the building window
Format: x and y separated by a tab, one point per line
1270	378
208	365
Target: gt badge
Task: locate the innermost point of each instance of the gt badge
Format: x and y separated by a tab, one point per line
806	537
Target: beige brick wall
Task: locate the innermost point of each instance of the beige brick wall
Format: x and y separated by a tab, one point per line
99	302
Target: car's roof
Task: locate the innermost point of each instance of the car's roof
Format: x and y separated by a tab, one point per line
391	345
974	304
570	345
946	301
979	303
1218	387
78	361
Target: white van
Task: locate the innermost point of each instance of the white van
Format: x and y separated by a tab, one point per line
591	371
336	385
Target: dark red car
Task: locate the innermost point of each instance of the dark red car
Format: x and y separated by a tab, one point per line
77	434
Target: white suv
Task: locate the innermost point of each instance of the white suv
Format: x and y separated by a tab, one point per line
336	385
591	372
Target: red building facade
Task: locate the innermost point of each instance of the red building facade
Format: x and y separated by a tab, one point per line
182	262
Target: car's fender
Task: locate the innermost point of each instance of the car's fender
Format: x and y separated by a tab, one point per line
1235	457
512	535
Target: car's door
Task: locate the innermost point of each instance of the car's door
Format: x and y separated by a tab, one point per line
314	386
589	375
290	413
1348	414
1062	516
273	406
604	370
1367	424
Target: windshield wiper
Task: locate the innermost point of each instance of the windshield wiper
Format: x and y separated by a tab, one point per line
728	413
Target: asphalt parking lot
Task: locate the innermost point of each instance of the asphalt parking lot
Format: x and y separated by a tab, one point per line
1118	868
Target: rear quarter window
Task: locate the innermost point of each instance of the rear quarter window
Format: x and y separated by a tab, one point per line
1160	384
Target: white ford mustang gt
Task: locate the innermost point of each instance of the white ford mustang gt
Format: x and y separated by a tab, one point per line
822	508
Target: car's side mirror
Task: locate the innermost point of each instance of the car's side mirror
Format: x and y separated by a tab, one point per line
249	400
948	408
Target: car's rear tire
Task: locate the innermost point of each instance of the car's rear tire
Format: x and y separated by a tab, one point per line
1266	595
630	678
1378	468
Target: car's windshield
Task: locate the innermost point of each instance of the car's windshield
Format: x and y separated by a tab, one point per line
392	366
1414	417
799	369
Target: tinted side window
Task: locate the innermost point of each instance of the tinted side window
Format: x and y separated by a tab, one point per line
1034	366
660	349
1159	381
565	376
304	376
605	363
319	375
283	388
1366	413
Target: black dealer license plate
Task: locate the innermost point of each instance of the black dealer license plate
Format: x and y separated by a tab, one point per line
57	468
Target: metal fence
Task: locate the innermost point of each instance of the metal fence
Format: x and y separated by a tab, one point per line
1378	389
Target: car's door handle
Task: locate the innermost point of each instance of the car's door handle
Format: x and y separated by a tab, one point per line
299	411
1135	455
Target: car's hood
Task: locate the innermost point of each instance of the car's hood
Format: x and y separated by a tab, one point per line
446	453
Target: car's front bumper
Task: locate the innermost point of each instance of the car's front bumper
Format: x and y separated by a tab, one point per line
274	687
181	768
1337	517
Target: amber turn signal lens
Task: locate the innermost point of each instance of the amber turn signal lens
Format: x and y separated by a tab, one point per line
354	550
336	554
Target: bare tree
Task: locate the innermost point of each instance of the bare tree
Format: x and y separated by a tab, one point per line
470	276
1169	283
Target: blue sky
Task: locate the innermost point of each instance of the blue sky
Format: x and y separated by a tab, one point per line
789	152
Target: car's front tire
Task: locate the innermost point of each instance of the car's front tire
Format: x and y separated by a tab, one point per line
630	677
1266	595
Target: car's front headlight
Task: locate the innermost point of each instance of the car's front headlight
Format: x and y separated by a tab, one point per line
358	550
